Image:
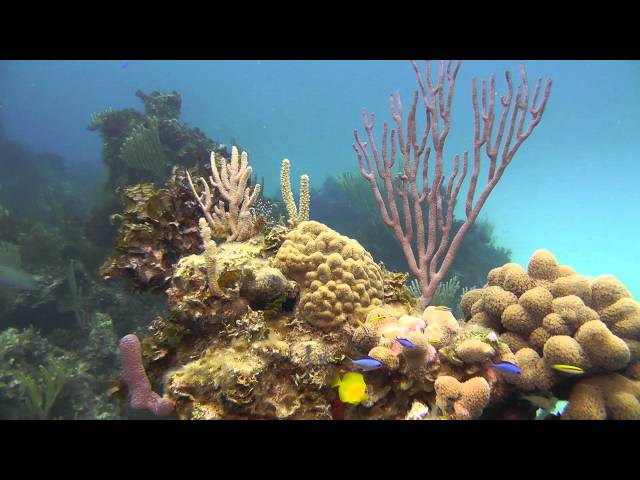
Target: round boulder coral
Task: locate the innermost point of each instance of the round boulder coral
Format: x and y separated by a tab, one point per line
604	396
514	341
515	279
603	348
534	375
607	290
543	265
565	271
386	356
620	310
485	320
468	299
462	401
516	319
538	338
554	324
537	301
577	285
565	350
474	350
573	311
495	300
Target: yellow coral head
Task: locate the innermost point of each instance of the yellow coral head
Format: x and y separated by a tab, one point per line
304	198
287	194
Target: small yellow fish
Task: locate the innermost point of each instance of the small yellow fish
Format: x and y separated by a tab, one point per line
570	369
443	308
377	317
366	330
352	388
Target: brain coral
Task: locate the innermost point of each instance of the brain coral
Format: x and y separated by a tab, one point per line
338	277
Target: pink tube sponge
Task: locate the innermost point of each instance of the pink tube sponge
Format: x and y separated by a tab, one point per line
142	397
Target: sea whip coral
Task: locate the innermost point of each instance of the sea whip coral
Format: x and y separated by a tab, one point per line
142	397
436	249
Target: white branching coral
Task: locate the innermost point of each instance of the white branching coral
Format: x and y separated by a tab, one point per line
236	217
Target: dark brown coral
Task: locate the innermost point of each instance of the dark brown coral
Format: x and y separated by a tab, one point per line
157	227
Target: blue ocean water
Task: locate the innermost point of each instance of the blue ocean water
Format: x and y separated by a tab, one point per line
572	187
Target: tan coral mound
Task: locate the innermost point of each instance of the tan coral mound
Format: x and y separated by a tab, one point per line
561	317
537	301
604	396
516	319
514	341
543	265
441	326
495	300
462	401
565	350
468	299
535	375
603	349
386	356
510	277
338	277
593	348
574	284
474	350
573	312
606	290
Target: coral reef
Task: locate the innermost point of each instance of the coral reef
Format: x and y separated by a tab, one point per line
273	343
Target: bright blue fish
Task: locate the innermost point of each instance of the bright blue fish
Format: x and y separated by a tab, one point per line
405	343
367	364
124	64
507	367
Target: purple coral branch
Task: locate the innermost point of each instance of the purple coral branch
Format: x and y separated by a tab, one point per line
142	396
